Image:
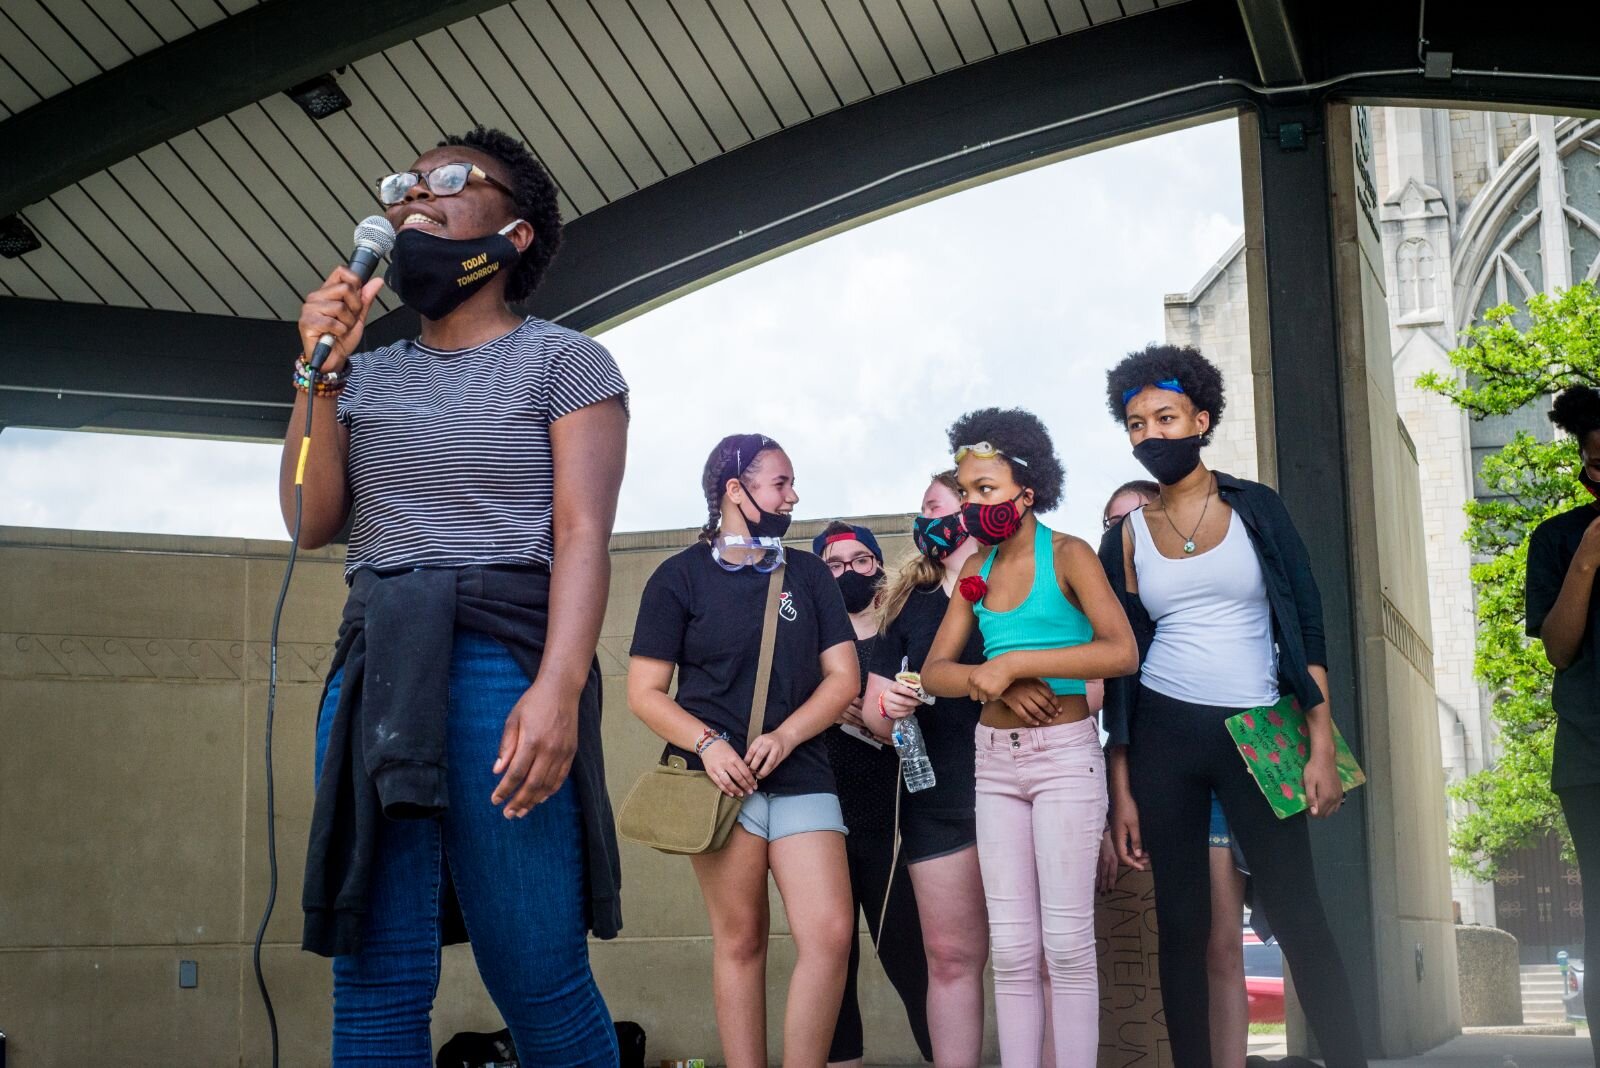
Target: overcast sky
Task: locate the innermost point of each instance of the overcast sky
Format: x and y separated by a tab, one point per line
855	353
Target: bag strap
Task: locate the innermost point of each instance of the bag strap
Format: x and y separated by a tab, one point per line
769	638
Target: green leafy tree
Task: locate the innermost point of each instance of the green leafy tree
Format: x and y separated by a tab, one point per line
1511	360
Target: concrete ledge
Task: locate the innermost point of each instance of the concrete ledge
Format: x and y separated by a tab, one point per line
1552	1030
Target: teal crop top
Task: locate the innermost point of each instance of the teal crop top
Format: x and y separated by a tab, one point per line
1044	620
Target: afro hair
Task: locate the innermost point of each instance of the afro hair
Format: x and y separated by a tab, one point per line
1577	411
534	194
1199	377
1020	434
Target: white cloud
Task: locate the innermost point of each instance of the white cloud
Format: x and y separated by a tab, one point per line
855	352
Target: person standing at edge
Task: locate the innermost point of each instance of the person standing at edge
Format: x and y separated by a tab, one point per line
1562	611
938	830
482	461
1230	1002
867	775
1218	587
702	613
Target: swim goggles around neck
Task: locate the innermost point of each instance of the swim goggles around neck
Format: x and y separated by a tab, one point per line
735	552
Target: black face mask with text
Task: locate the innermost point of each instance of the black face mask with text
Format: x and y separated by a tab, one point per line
434	275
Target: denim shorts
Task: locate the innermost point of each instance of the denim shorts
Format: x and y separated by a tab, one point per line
1221	837
775	816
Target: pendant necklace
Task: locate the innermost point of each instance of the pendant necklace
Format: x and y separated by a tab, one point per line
1188	543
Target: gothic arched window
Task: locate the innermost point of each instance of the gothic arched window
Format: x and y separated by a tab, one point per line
1414	272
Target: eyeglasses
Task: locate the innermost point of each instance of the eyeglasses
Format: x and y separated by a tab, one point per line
1171	385
445	180
865	564
984	451
762	554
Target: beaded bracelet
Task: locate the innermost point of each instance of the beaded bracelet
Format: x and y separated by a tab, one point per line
325	382
709	739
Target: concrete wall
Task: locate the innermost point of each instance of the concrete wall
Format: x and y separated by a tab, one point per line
133	675
1214	317
1413	936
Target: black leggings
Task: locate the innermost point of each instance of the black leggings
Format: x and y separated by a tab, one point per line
1180	754
904	959
1581	806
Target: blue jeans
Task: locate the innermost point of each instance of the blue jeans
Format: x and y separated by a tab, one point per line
520	885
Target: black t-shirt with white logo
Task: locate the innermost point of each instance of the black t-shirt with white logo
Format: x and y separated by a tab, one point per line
707	621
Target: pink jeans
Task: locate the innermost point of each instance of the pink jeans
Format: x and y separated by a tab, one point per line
1041	810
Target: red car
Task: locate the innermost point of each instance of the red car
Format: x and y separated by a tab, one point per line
1263	979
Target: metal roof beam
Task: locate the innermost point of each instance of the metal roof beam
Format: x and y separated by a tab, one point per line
92	366
199	77
1272	39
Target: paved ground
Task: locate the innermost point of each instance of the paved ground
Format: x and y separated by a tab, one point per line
1503	1051
1476	1051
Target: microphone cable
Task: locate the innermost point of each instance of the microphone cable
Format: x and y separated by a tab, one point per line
272	702
374	238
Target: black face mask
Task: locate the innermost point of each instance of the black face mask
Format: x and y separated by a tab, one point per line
434	275
1168	459
858	589
766	524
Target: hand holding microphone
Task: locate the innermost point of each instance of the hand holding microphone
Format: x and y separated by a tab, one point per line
333	317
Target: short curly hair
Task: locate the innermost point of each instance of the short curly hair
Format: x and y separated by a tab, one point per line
1020	434
1577	411
535	196
1199	377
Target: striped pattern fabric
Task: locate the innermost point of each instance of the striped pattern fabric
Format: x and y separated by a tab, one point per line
450	461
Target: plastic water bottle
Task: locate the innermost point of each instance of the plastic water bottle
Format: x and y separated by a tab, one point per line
914	762
908	742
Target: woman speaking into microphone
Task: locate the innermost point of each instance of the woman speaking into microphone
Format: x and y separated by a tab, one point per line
459	771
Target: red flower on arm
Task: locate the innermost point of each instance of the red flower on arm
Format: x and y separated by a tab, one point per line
973	588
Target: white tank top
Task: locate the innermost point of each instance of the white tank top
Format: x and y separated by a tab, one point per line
1213	643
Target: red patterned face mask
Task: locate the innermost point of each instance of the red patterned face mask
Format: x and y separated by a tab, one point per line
992	524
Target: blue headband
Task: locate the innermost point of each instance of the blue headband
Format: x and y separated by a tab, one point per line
1170	384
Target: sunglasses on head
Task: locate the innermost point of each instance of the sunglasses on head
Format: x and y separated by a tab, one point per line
984	451
445	180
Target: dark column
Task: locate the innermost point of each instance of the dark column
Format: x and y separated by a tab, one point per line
1294	206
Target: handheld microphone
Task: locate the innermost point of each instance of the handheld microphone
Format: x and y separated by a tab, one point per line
374	239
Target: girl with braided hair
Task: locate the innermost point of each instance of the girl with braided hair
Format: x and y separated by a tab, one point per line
702	615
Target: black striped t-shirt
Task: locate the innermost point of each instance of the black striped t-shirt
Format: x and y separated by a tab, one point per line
450	460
